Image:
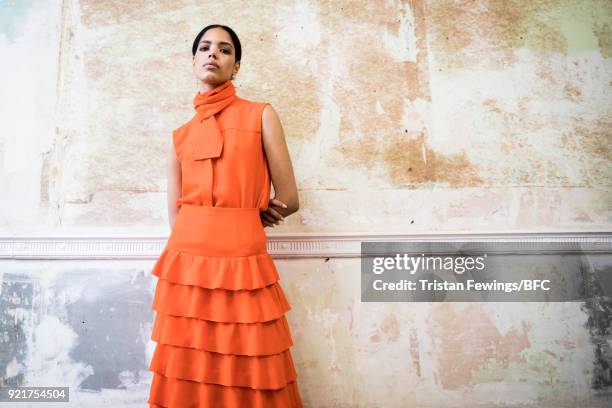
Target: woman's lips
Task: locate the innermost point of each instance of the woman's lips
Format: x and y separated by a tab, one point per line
210	66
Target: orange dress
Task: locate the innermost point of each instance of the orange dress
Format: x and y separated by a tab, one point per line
220	327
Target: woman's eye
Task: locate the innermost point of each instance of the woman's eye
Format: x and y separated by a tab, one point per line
225	50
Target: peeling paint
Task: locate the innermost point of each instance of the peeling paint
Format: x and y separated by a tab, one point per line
460	359
411	162
413	95
81	328
493	113
16	297
414	351
598	308
468	30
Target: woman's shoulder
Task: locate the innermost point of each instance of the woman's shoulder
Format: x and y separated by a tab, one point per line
250	104
180	132
247	112
180	137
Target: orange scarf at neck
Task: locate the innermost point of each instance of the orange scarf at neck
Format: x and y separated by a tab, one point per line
210	140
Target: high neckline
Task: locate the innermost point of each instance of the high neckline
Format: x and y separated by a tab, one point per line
218	88
214	100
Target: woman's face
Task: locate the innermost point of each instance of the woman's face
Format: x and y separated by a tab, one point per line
215	59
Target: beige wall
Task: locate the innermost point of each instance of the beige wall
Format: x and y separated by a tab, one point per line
401	117
408	117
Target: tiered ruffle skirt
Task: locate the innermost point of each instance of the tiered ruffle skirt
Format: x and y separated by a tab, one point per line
220	327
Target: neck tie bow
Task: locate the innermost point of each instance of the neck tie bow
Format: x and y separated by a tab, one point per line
209	143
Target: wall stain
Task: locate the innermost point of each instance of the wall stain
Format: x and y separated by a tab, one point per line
603	32
411	161
16	302
460	359
414	351
599	324
403	153
466	32
111	12
377	77
389	329
109	341
44	178
595	138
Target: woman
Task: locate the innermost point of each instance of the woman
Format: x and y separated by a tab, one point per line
220	327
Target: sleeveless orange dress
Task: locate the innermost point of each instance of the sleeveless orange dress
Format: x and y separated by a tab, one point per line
220	327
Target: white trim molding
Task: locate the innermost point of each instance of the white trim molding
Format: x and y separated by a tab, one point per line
281	245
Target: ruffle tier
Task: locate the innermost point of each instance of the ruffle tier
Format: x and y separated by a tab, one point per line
247	272
175	393
251	339
221	332
259	372
221	305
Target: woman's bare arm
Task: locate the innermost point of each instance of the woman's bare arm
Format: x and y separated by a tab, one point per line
174	182
279	162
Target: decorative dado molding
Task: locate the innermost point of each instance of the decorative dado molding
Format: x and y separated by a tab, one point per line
281	245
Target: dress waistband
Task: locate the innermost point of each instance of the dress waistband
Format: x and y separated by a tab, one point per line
218	231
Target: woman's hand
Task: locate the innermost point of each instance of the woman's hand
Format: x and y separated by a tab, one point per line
271	216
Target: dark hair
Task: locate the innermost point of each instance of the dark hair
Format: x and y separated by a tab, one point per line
231	32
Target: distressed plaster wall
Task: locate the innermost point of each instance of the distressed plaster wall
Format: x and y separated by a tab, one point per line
82	325
493	113
354	354
409	117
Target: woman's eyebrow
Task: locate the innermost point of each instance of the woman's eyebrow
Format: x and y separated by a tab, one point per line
220	42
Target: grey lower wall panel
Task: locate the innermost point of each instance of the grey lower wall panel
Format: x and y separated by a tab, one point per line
81	324
85	323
